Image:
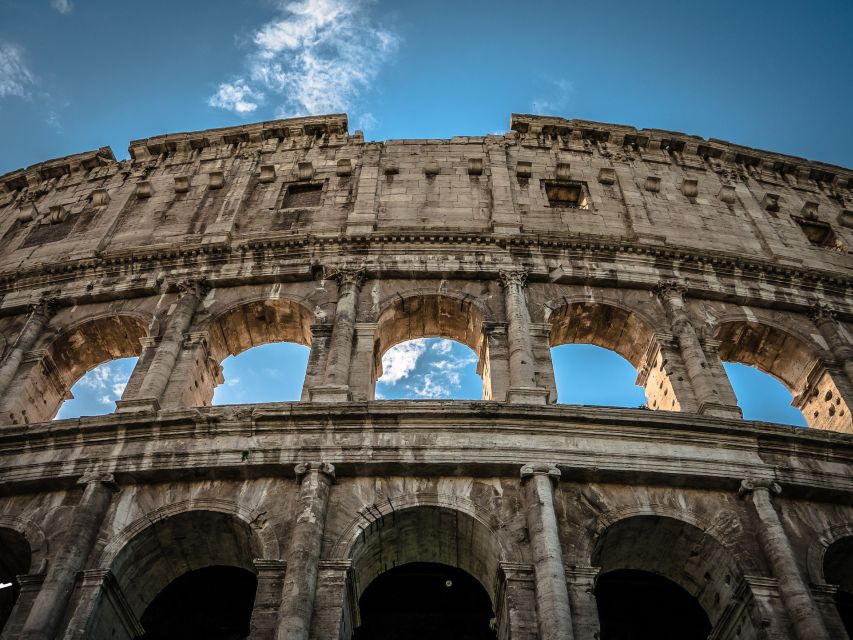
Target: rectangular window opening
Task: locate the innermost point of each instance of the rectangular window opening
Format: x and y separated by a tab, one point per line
821	235
569	195
302	196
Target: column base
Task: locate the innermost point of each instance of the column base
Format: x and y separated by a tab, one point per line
330	393
718	410
137	404
527	395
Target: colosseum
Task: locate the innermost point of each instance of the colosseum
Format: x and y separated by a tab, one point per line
343	517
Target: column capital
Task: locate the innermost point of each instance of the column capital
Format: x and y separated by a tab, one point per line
99	477
821	313
750	485
347	276
513	277
45	307
304	468
541	469
199	287
670	290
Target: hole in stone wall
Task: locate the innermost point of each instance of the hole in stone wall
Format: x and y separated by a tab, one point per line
272	372
424	600
640	605
213	603
14	561
821	235
300	196
566	194
429	368
761	396
96	392
592	375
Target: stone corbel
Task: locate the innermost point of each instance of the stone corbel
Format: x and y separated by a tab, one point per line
143	189
809	210
652	184
771	202
607	175
431	168
100	198
344	168
182	184
267	174
215	180
563	171
523	169
55	215
27	212
305	171
475	166
690	187
727	194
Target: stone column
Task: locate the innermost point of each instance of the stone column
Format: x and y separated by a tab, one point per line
267	598
333	616
824	597
493	365
825	320
692	353
807	621
581	581
37	320
516	606
315	372
522	369
47	612
101	609
336	385
158	374
552	596
303	556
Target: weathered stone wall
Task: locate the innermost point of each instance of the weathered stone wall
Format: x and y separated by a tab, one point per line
676	252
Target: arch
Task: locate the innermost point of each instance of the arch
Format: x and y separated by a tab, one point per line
35	538
629	333
689	555
70	354
248	323
15	560
819	544
431	315
174	543
796	363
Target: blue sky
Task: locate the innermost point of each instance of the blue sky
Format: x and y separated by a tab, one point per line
80	74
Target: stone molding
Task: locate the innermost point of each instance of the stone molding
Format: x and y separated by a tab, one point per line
304	468
541	469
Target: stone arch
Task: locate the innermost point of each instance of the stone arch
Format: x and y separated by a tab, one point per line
427	314
819	545
629	332
178	539
68	354
242	325
796	361
35	538
665	542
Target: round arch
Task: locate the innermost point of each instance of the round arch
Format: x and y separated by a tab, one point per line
34	537
174	543
684	553
817	549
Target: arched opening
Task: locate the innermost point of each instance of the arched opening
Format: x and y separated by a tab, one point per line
590	375
587	376
68	358
664	578
416	546
269	373
838	570
210	603
404	325
795	364
14	561
266	345
97	391
425	600
162	572
762	396
630	604
429	368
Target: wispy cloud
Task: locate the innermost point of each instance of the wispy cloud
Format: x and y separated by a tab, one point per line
107	381
15	77
400	360
63	6
315	56
554	100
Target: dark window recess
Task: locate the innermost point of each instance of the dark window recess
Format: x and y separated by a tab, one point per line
821	234
565	194
45	233
300	196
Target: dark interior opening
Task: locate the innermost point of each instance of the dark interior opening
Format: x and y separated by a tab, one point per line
639	605
424	600
838	570
214	603
565	194
14	561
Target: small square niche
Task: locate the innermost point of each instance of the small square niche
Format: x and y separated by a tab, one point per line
302	196
820	234
567	195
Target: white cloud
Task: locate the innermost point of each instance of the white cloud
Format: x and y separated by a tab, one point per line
98	378
118	388
105	399
443	346
432	389
237	97
63	6
15	78
400	360
316	56
556	99
110	382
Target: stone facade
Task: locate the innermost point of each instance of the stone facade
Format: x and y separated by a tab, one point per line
677	252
